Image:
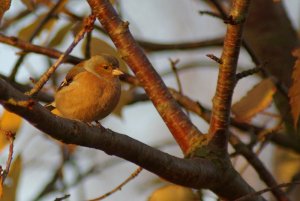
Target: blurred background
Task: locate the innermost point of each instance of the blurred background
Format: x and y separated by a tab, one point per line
159	21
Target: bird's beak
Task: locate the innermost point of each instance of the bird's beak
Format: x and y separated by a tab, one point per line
117	72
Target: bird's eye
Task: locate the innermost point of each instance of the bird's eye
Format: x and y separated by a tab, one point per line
106	67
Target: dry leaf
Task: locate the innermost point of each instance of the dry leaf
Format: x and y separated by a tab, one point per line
126	97
294	91
26	32
99	46
60	35
256	100
173	193
8	122
4	6
10	189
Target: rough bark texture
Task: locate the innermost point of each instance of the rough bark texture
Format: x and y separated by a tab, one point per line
185	133
269	33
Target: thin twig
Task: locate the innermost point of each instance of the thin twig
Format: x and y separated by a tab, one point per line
183	130
257	164
247	73
4	173
29	47
37	30
8	22
220	8
212	14
174	69
277	138
45	77
63	198
218	5
119	187
252	195
215	58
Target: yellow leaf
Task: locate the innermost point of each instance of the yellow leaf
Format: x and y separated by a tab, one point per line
256	100
60	35
4	6
294	91
26	32
99	46
126	97
8	122
173	193
12	180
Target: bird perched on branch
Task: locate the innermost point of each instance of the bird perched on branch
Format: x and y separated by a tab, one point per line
91	89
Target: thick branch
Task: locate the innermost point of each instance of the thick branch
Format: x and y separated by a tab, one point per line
194	172
185	133
226	81
260	168
191	105
277	38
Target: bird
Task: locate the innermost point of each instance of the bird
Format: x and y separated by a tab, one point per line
90	90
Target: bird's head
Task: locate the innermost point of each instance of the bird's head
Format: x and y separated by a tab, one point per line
103	65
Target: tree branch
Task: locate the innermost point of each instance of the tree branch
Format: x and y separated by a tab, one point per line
192	172
186	134
226	81
260	168
152	46
37	30
191	105
182	171
29	47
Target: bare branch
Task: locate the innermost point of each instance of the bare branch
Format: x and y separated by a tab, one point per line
251	196
119	187
34	34
185	133
226	81
29	47
261	170
88	26
195	172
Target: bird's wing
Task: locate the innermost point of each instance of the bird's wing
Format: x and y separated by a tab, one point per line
71	74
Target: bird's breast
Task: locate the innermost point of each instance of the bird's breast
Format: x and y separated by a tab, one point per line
88	98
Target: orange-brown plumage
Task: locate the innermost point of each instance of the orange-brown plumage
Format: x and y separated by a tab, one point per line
91	89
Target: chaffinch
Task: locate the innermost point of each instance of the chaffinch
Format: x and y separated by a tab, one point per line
91	89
